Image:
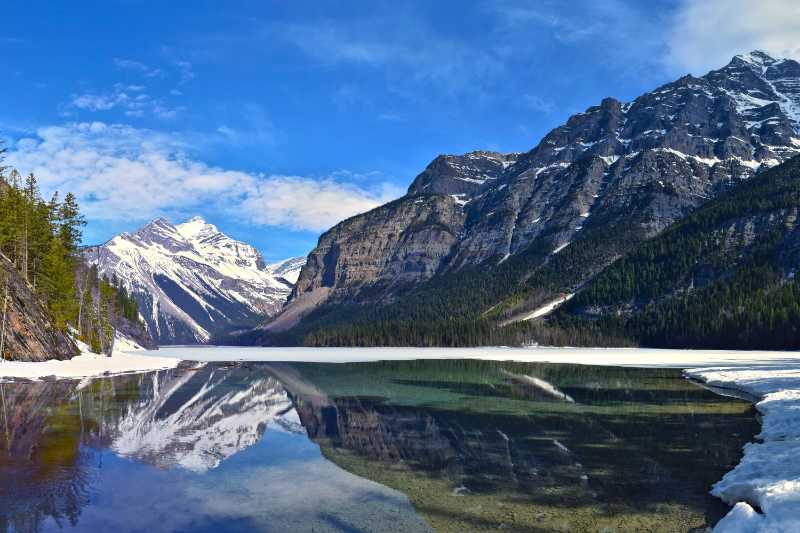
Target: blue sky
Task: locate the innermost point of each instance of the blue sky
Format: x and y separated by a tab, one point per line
274	120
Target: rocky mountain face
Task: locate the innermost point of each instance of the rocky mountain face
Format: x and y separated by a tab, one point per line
191	280
29	334
597	186
724	277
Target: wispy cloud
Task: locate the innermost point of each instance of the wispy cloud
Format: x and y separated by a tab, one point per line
121	173
537	103
8	39
185	71
410	50
389	116
705	34
253	127
516	36
137	66
626	35
180	68
130	99
514	15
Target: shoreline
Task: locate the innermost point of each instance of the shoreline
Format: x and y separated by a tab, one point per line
764	487
85	365
632	357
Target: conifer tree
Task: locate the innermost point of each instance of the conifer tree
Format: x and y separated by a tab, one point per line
71	223
58	284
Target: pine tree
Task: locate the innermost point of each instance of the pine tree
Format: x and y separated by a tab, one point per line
58	284
71	223
3	151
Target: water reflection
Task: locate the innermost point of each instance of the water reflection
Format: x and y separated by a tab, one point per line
279	447
197	418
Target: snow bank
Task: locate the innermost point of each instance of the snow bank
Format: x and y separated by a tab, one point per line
768	476
88	364
637	357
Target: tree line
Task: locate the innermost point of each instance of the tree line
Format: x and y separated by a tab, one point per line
41	239
704	282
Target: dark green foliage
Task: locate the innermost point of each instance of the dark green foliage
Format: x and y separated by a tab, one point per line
466	307
704	283
102	304
31	233
453	333
42	240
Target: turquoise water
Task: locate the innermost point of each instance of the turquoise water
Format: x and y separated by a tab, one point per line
393	446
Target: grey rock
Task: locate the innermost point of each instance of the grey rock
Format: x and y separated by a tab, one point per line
644	164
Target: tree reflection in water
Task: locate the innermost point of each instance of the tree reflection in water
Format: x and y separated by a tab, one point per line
472	443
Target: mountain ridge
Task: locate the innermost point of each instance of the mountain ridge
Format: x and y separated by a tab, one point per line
191	280
585	195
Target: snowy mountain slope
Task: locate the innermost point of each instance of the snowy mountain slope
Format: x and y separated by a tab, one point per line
288	269
190	279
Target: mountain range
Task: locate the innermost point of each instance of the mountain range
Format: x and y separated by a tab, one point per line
487	244
192	281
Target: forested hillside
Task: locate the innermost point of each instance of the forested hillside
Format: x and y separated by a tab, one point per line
725	277
484	241
39	252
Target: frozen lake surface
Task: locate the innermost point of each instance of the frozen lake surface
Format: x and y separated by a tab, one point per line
639	357
133	361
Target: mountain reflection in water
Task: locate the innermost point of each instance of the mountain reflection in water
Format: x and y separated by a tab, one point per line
391	446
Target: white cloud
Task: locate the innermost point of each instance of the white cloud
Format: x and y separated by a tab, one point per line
409	47
185	71
302	203
121	173
130	99
706	34
94	102
137	66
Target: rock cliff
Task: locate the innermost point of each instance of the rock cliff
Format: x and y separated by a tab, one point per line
601	183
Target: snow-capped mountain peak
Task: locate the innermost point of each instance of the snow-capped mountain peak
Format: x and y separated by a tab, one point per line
196	228
191	280
757	58
288	269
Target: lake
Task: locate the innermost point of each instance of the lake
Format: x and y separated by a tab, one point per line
444	445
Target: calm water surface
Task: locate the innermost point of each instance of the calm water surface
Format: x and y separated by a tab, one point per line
390	446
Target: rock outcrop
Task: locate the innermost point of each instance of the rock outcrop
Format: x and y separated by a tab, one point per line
29	334
628	170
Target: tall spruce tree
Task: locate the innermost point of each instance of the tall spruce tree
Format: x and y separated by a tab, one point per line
71	223
58	284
